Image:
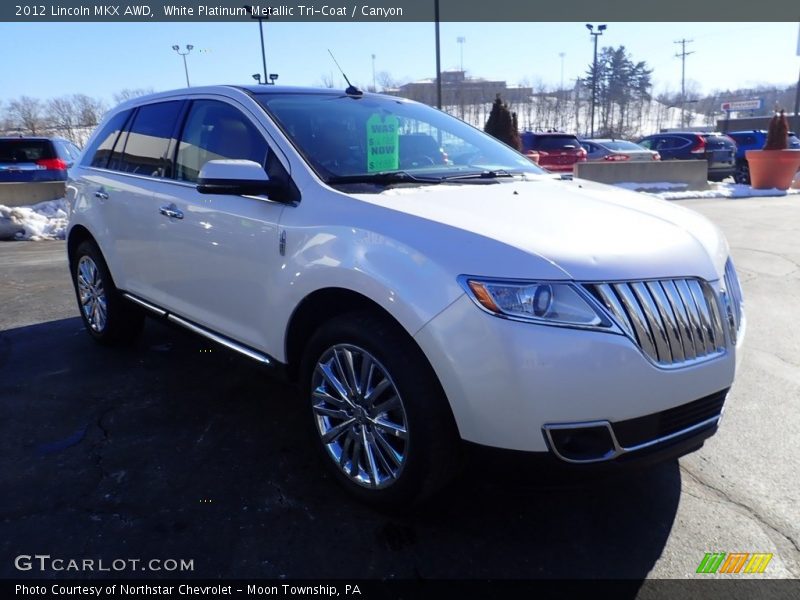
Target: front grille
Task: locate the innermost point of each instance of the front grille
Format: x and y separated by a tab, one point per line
734	294
672	320
634	432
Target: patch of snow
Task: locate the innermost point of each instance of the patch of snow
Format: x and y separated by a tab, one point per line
43	221
725	190
651	185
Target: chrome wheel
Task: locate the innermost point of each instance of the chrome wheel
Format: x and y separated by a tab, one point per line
92	295
360	416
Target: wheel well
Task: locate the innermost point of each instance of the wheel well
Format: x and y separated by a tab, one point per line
77	236
318	308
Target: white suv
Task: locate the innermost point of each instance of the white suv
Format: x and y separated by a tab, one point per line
425	284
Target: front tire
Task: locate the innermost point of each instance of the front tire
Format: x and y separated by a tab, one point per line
107	316
378	411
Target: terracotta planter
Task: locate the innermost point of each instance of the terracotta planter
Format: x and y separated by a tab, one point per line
772	168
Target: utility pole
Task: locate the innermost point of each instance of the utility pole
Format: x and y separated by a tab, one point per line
561	56
374	85
683	56
438	60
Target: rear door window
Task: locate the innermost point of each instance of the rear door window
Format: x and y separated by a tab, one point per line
148	146
718	142
100	150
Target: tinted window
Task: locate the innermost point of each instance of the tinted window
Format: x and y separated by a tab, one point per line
555	142
718	141
103	144
745	139
22	150
215	131
646	144
147	148
669	143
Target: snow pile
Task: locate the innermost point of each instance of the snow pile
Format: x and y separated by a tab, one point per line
725	190
43	221
651	185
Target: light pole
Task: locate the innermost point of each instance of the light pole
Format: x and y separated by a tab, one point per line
595	35
461	40
183	54
374	85
260	19
561	55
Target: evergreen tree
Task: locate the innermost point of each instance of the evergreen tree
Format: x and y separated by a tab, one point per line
502	124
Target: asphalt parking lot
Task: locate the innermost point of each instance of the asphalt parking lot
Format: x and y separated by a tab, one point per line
176	449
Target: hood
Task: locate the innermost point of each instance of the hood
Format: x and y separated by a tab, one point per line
590	231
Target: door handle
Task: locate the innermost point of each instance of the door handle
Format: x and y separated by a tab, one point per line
171	211
100	194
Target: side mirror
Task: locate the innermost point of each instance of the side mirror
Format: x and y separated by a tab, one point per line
236	178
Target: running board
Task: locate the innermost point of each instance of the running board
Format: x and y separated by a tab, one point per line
207	333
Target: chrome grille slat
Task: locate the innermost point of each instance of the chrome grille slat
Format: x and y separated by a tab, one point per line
657	327
669	319
673	321
694	316
734	293
685	327
637	318
609	299
705	316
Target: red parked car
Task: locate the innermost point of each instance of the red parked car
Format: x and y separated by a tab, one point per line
557	151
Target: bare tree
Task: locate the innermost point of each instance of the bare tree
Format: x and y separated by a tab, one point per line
62	116
89	110
326	80
385	80
26	113
128	93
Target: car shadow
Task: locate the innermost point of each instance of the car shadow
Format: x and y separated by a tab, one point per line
179	449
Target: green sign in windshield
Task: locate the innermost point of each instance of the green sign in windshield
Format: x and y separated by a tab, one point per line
383	136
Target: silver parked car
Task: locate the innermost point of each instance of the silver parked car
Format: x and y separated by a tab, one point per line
617	150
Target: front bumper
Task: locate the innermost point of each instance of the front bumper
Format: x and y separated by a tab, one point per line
507	382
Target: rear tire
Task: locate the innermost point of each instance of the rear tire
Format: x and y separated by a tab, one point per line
378	412
742	173
107	316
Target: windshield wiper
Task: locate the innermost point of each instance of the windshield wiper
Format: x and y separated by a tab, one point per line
497	174
386	178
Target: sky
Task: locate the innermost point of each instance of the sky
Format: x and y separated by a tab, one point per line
99	59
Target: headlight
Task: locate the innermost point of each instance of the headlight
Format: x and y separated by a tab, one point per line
537	301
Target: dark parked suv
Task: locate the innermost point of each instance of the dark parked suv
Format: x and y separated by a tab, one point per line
557	151
716	148
752	140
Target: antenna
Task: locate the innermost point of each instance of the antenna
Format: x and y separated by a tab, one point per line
351	89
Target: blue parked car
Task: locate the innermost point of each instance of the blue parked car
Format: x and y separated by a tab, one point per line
35	159
715	148
752	140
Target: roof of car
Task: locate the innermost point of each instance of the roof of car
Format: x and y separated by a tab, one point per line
249	89
560	133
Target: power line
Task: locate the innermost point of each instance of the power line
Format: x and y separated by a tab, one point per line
683	56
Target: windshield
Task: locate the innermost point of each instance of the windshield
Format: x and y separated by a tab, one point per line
349	138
